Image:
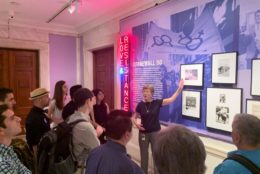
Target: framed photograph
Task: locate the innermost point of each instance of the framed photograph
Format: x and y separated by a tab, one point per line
224	68
222	105
255	82
191	103
253	107
192	74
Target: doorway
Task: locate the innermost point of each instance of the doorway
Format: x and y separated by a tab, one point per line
19	70
103	73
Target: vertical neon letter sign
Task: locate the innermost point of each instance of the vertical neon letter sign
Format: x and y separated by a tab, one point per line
124	51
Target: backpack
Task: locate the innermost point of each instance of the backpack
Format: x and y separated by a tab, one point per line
24	153
55	150
245	162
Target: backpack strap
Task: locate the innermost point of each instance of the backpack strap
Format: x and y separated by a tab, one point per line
245	162
72	124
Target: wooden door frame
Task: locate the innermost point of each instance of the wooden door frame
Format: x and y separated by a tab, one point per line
88	71
37	63
16	65
94	62
94	70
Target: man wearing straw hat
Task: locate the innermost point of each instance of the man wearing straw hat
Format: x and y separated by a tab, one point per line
37	123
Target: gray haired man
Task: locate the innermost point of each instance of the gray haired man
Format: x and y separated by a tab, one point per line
179	151
246	137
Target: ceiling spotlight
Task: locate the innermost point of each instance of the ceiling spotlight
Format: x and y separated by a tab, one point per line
71	8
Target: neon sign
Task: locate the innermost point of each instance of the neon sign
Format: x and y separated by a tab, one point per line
124	51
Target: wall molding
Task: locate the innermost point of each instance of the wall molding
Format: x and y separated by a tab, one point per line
42	47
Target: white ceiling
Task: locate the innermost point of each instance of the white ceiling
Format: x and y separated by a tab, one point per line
36	13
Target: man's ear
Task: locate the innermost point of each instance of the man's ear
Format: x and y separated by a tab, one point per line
128	135
236	138
86	102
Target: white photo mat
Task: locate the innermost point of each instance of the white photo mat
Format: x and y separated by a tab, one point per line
191	101
253	107
222	105
192	74
224	68
255	82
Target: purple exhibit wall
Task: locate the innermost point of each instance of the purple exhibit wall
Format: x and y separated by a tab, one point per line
62	60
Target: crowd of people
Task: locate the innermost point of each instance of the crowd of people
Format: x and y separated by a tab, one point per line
100	137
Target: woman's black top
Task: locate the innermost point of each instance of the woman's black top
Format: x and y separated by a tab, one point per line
149	112
100	113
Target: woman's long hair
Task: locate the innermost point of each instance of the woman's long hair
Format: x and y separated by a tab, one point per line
58	94
96	91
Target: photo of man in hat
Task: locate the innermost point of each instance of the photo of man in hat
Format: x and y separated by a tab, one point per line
37	123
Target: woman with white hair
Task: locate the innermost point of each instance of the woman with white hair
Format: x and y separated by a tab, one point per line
149	110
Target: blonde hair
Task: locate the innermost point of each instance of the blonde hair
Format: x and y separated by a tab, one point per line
150	87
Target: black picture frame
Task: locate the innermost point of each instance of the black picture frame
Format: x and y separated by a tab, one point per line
255	82
222	105
224	68
192	74
253	107
191	103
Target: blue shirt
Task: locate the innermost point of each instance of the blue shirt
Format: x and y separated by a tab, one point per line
111	158
233	167
9	162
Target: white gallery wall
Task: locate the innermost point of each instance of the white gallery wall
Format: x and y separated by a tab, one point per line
102	36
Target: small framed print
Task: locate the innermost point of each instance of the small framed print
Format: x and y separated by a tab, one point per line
222	105
255	82
191	103
253	107
192	74
224	68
